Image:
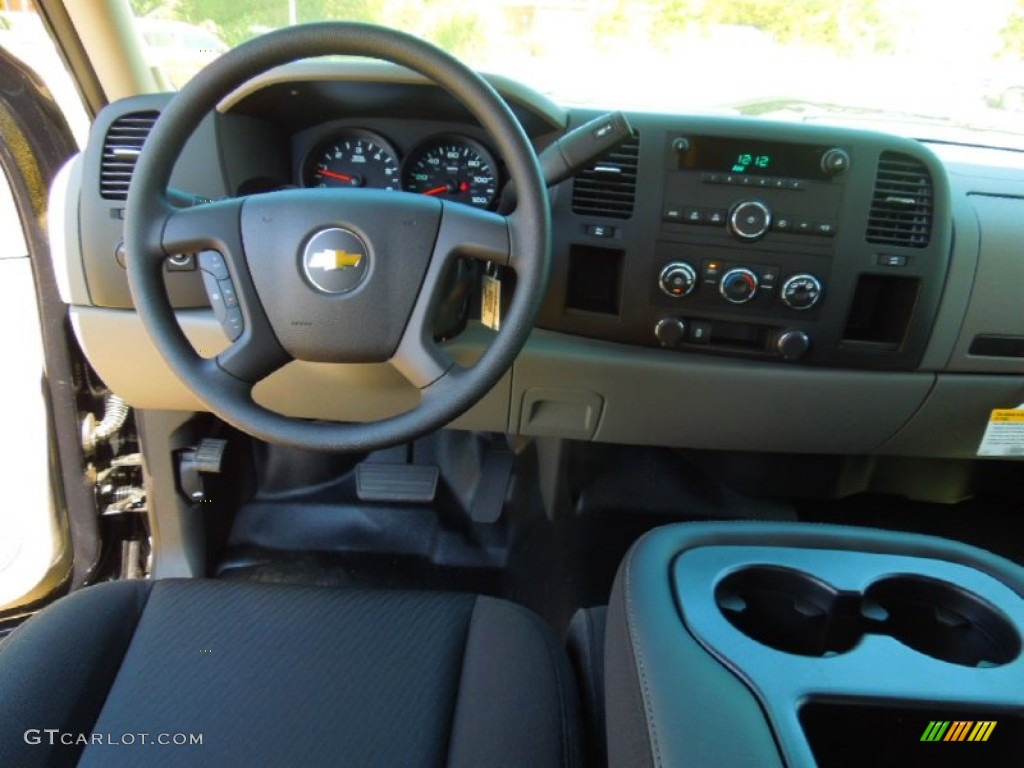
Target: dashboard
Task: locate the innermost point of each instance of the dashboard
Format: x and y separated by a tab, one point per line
717	282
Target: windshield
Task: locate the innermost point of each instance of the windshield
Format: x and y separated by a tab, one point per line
936	70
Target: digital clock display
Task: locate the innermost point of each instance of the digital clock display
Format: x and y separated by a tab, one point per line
753	158
745	161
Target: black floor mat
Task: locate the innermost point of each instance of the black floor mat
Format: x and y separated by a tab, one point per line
327	536
357	570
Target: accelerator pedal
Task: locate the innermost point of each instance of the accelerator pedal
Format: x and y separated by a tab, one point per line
409	483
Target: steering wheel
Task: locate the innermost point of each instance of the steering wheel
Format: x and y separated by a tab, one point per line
334	275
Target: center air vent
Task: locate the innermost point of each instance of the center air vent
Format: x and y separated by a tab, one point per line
901	208
608	187
121	151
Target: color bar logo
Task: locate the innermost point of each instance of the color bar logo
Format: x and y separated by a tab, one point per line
959	730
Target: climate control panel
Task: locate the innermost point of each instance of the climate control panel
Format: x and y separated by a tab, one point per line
750	307
754	239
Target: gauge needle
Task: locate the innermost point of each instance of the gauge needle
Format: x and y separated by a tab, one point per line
436	190
333	175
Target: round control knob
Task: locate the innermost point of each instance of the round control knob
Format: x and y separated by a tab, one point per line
835	161
681	145
801	291
677	279
670	331
738	286
792	345
750	219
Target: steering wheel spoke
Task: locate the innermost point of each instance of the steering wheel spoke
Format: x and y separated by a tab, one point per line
213	231
464	232
472	233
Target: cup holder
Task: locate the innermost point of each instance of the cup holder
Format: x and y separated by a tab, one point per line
791	611
943	621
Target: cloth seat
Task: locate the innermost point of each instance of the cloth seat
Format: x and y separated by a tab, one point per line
281	675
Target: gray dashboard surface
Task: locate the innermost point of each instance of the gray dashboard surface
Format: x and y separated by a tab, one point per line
840	399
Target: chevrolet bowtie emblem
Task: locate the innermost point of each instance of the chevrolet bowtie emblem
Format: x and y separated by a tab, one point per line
329	260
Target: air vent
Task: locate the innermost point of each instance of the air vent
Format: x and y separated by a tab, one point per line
608	187
901	209
121	151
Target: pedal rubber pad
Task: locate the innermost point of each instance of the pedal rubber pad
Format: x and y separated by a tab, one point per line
396	482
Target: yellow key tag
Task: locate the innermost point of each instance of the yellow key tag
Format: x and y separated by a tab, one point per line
1004	435
490	303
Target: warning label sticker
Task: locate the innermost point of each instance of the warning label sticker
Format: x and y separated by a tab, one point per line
1004	435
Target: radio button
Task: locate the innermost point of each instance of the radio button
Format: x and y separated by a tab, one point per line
693	216
672	213
715	217
750	219
783	224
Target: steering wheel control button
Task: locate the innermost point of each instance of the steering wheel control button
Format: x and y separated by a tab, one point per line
677	279
801	291
750	219
214	264
335	260
227	290
738	286
233	323
792	345
119	255
216	297
670	331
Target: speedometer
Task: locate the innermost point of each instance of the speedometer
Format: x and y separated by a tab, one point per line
455	168
354	158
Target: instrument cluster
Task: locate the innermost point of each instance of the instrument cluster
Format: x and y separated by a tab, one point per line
449	166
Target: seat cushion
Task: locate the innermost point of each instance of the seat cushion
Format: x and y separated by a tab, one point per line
285	675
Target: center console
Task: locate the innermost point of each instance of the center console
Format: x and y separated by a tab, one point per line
808	645
795	243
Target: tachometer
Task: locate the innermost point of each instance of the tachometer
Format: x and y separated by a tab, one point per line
354	158
455	168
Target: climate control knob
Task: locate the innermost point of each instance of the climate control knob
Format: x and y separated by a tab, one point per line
738	286
801	291
677	279
749	219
